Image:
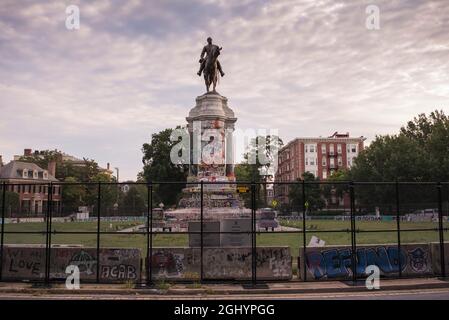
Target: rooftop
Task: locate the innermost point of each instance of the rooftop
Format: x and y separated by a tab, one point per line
15	170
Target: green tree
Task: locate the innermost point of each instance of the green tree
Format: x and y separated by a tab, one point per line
313	196
12	202
135	199
431	133
109	192
64	169
418	153
245	172
43	157
158	167
73	195
339	188
261	157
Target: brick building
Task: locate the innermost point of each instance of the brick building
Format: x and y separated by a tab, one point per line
31	182
319	156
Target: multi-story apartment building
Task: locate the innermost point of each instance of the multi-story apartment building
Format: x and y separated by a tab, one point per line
319	156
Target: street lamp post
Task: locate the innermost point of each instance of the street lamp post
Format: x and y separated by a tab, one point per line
118	187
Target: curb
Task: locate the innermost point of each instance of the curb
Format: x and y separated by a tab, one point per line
220	291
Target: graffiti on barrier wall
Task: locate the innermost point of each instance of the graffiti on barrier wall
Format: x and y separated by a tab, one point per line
28	263
337	262
84	261
168	263
222	263
419	260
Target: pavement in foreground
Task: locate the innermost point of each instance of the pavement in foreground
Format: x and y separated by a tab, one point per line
438	294
404	289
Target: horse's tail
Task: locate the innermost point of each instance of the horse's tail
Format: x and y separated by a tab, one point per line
217	74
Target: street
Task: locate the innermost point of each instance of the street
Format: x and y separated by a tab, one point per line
428	294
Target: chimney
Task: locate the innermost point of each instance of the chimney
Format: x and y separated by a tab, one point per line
108	166
52	168
1	160
27	152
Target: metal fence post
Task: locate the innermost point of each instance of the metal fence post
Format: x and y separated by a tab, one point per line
441	230
353	238
47	234
253	234
398	227
304	239
50	218
3	228
149	234
98	229
201	231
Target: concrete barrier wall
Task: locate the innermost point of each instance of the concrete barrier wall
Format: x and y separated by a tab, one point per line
334	262
436	257
273	263
28	263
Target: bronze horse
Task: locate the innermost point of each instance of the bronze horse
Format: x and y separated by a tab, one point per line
210	68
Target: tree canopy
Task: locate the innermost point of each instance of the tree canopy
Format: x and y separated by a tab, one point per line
418	153
158	167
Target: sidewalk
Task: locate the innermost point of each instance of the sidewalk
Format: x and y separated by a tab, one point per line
225	289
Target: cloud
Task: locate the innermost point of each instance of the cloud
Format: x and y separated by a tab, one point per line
307	68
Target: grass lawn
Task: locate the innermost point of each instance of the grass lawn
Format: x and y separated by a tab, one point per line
294	240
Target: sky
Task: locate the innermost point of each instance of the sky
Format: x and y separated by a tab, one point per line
303	67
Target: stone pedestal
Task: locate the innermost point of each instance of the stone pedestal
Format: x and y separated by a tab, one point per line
209	239
210	124
236	239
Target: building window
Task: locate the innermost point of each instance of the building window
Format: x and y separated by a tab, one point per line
307	161
35	174
324	174
339	148
332	162
323	149
323	161
340	161
331	149
312	161
354	148
306	149
312	148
